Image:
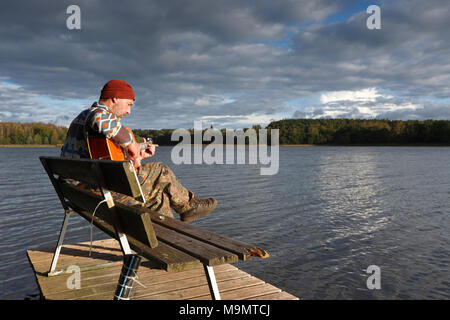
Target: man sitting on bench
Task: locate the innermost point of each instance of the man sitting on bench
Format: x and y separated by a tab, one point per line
161	188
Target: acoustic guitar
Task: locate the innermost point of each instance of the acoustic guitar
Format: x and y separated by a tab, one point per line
103	148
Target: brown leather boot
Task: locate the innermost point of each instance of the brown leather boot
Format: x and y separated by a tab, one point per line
198	208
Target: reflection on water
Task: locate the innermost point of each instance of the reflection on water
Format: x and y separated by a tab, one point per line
328	214
349	186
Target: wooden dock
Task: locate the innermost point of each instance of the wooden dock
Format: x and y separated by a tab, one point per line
99	274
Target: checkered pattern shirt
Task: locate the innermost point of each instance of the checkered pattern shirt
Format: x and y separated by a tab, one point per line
95	121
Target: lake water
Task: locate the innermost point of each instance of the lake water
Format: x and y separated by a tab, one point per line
329	214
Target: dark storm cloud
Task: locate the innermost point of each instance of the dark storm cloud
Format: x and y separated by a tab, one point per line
405	54
220	60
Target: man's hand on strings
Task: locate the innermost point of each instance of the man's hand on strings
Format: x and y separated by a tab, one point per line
134	150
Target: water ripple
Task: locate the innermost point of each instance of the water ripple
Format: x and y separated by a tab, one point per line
328	214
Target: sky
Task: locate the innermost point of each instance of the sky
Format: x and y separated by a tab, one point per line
231	64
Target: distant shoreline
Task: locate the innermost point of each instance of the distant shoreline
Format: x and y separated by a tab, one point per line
281	145
29	146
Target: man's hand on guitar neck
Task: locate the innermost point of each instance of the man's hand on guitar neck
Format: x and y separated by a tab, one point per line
138	151
135	152
149	151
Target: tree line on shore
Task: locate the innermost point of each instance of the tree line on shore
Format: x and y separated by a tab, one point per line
31	133
362	132
291	131
339	132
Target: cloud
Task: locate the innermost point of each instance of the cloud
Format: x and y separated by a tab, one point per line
369	103
212	100
27	106
427	111
365	103
364	95
228	59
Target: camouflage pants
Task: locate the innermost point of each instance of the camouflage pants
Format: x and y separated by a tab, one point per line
161	190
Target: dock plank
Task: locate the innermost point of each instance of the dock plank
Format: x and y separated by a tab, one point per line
149	280
154	282
250	292
275	296
103	253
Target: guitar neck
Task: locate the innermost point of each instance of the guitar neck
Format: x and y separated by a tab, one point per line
144	145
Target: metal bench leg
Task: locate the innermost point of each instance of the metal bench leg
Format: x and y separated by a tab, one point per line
213	288
59	244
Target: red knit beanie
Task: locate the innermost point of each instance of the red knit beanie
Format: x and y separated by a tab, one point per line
117	89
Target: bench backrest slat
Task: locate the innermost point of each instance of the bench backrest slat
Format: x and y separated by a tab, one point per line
133	222
119	175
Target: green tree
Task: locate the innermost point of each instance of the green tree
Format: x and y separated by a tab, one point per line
37	139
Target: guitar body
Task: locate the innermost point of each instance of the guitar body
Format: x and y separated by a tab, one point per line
103	148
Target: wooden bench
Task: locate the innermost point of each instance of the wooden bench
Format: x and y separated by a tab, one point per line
170	243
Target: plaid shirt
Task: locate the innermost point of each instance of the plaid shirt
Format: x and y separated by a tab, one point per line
95	121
